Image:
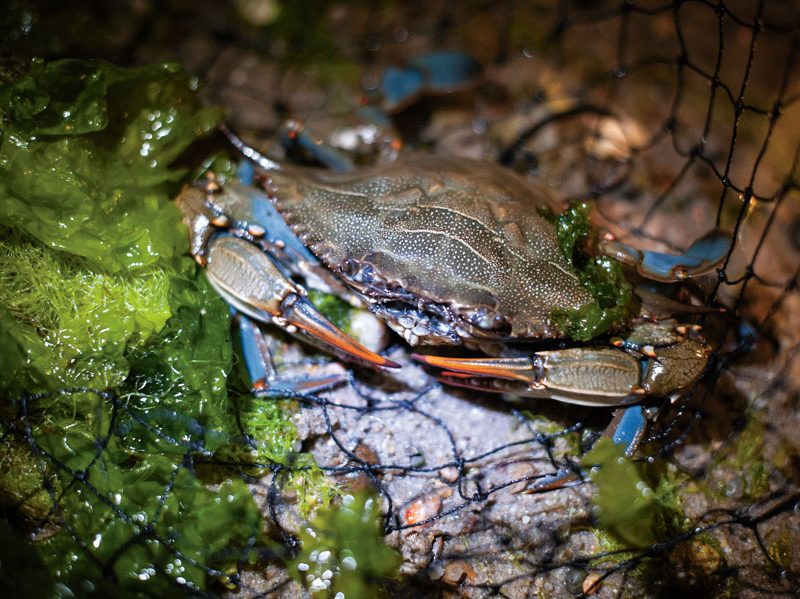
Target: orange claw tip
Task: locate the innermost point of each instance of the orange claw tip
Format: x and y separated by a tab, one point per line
302	314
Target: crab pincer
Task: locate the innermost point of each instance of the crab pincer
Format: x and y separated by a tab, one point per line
248	280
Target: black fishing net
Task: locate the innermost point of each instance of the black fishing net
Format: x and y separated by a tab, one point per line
674	118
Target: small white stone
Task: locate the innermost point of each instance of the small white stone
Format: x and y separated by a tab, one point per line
349	563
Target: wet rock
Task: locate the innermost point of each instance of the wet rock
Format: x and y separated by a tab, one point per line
449	474
457	572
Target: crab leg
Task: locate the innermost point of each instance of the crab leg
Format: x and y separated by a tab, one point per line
703	255
588	376
257	359
249	281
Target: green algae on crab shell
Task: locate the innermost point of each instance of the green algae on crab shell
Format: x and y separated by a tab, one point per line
614	301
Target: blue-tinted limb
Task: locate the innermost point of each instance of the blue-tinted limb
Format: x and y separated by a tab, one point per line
429	73
703	255
306	147
626	429
261	372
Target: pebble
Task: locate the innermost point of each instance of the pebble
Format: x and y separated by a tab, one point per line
592	583
422	509
455	572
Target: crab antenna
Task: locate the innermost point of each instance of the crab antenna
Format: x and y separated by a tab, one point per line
248	151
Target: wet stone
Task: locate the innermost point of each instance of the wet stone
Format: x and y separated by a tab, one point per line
458	571
449	474
591	584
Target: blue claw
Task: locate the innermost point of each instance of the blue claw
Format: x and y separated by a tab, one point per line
433	72
704	255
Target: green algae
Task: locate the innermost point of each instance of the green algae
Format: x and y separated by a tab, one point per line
95	292
86	154
335	308
637	505
88	320
603	277
345	540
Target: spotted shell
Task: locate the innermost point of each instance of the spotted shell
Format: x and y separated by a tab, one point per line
458	248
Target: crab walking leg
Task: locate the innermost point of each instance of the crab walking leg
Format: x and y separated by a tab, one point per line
703	255
248	280
260	370
626	428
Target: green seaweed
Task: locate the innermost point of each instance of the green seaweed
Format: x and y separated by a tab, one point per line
86	154
638	506
96	292
335	308
21	487
343	550
614	301
81	322
182	527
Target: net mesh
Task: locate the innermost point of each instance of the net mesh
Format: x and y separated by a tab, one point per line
676	117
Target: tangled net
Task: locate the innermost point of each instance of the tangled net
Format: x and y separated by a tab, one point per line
658	104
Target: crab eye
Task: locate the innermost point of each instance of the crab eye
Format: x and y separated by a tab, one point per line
348	267
490	321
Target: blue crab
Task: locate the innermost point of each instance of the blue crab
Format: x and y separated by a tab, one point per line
447	252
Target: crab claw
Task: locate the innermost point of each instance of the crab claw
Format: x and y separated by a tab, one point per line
249	281
515	369
299	312
702	256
